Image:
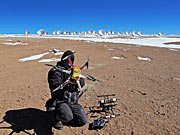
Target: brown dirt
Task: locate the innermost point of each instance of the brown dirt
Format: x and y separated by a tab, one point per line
175	43
148	91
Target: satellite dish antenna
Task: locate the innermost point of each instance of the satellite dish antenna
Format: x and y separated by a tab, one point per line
59	32
134	33
101	32
119	33
127	33
139	33
54	33
160	34
40	32
27	32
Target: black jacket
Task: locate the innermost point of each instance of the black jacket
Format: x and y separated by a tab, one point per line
69	93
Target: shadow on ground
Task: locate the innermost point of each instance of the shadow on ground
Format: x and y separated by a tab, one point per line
23	120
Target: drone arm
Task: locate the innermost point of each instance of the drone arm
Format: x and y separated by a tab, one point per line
70	62
86	64
66	71
55	80
79	85
82	92
82	76
62	85
92	78
59	69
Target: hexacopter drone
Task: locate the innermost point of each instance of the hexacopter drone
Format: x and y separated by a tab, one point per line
75	74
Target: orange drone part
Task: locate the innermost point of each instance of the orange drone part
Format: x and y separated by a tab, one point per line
76	72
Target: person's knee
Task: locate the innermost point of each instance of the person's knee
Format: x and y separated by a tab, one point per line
65	117
84	121
79	115
64	113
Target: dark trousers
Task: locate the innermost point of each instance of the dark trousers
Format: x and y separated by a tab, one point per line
72	114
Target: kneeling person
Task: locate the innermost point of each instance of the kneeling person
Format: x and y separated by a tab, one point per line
67	110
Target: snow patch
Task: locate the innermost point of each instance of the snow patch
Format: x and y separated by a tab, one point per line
16	43
121	48
152	42
49	60
59	53
176	78
8	40
118	58
173	49
125	49
110	49
144	58
89	41
54	50
34	57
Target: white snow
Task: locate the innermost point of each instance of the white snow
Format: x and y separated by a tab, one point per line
59	53
34	57
89	41
173	49
16	43
8	40
117	58
176	78
49	60
153	42
125	49
54	50
110	49
144	58
121	48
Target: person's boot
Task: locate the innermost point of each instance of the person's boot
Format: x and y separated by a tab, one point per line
56	123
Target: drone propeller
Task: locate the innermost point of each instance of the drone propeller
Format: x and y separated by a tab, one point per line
68	56
49	65
59	68
93	79
83	92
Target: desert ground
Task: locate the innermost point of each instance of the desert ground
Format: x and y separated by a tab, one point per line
148	92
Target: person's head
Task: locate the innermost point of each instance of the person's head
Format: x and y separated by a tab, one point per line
64	62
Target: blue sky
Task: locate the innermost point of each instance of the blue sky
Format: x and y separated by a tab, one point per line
148	16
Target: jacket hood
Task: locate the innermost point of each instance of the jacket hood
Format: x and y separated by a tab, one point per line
65	63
